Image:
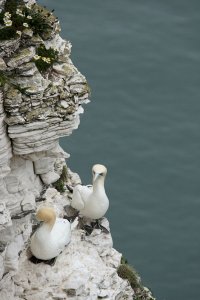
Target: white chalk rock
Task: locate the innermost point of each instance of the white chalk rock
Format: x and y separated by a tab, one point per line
44	165
12	184
5	219
28	203
64	104
7	288
49	177
64	69
12	254
2	64
25	55
79	273
34	137
1	266
58	44
4	170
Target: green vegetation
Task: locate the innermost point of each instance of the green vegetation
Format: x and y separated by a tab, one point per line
45	58
7	33
124	260
11	5
40	22
16	17
60	183
125	271
3	79
64	174
59	186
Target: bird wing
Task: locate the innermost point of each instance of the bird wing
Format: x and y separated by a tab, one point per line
80	196
61	232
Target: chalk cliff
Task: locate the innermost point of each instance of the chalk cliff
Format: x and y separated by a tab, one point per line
41	98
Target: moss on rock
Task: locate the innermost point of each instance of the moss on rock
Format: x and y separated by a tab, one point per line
125	271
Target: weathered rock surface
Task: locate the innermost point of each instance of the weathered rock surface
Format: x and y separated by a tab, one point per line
36	109
86	269
39	107
5	144
83	271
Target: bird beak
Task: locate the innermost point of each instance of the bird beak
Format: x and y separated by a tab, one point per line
95	176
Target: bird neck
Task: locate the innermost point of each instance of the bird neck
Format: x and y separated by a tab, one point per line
48	225
98	185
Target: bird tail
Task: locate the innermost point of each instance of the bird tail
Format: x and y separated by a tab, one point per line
77	201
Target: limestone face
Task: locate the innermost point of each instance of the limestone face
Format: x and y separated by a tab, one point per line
36	109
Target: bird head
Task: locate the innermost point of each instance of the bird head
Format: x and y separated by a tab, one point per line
99	171
47	215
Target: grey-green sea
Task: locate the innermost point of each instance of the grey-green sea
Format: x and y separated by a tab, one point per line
142	62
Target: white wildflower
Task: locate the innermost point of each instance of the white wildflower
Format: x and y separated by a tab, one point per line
19	12
8	23
19	32
28	5
29	17
7	15
7	20
25	24
36	57
46	59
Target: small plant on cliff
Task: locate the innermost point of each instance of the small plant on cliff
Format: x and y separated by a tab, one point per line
64	174
125	271
45	58
17	16
60	183
41	20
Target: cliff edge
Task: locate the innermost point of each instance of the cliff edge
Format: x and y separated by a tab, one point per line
41	98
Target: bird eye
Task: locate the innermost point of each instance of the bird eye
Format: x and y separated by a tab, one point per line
101	174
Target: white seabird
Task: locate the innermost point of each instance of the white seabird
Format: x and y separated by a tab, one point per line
50	239
92	201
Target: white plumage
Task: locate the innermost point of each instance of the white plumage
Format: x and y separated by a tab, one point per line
92	201
52	236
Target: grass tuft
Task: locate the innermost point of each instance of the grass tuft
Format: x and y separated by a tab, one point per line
124	260
60	183
127	272
59	186
64	174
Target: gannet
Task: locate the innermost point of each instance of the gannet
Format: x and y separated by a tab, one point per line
92	201
52	236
